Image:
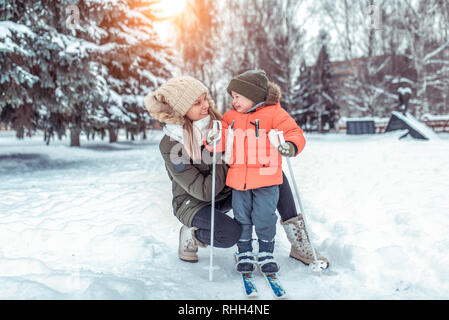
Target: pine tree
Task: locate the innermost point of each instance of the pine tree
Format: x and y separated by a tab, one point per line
279	44
60	65
75	95
302	98
137	62
17	78
87	75
324	104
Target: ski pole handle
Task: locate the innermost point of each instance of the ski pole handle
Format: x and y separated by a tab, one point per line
217	126
281	136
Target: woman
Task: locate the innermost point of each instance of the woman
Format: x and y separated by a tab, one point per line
184	106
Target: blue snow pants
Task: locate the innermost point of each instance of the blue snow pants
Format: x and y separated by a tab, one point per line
256	207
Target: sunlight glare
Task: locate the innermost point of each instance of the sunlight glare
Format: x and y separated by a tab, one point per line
170	8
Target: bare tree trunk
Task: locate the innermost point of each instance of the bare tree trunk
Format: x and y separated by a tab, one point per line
113	137
75	137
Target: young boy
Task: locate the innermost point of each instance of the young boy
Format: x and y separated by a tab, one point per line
255	171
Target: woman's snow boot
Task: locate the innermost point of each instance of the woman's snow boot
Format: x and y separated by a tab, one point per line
188	244
297	235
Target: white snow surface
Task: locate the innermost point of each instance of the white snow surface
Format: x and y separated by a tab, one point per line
96	222
429	116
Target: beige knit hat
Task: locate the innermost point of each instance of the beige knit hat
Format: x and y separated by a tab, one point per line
171	101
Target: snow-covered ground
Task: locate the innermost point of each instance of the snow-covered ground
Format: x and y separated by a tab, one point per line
96	222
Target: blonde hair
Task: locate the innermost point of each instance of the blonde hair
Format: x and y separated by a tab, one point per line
190	131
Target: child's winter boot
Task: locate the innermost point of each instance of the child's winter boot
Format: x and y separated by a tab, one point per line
265	257
245	258
267	263
245	261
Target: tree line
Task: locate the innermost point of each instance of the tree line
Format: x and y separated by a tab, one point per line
80	65
330	58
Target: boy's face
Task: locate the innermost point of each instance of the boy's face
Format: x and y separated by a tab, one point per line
241	103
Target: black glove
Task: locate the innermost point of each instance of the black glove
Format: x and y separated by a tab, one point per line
287	149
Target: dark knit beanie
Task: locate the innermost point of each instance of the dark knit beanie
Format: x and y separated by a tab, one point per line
251	84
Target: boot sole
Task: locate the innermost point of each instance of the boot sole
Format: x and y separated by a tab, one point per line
187	258
296	258
190	261
306	263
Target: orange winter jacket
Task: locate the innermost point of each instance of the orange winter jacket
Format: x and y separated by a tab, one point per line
255	162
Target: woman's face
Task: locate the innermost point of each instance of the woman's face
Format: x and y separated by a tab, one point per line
199	109
241	103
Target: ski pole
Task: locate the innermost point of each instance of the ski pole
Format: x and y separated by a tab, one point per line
316	265
215	125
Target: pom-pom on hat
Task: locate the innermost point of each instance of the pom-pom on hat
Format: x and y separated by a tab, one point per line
171	101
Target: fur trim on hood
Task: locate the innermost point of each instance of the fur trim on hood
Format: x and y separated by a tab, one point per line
273	94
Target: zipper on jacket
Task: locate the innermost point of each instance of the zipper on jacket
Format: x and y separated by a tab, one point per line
256	125
246	153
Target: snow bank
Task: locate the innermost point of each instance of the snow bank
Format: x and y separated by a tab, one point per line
440	117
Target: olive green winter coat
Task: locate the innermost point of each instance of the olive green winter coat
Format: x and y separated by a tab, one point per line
192	182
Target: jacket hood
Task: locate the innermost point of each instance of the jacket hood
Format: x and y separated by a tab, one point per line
273	94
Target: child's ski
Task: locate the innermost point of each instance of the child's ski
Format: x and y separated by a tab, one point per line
275	285
249	285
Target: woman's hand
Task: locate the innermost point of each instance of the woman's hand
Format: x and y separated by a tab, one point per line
213	135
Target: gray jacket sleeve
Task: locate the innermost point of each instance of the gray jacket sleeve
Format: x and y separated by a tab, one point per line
192	180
